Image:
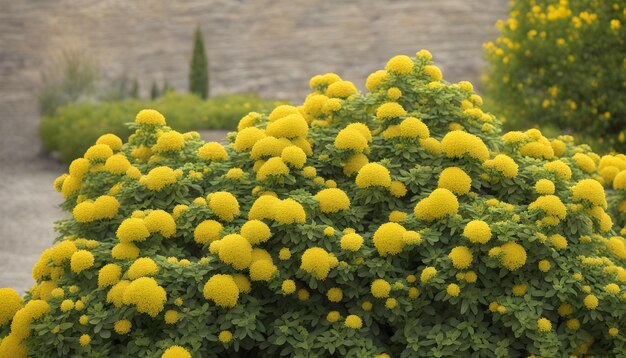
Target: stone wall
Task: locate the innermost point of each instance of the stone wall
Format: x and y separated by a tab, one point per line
267	46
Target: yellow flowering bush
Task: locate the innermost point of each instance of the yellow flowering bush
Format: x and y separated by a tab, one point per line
561	64
399	222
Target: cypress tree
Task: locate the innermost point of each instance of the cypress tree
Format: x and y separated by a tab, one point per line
134	90
154	91
199	71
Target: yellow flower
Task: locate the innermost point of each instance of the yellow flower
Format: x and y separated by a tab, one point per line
390	110
340	89
332	200
255	231
124	250
565	310
288	287
113	141
388	239
247	137
424	54
613	331
391	303
333	316
591	302
373	174
144	266
81	260
284	254
224	205
213	151
289	211
79	167
453	290
160	221
375	79
236	251
171	317
207	231
11	303
273	167
562	170
317	262
612	289
513	256
591	191
290	126
334	294
545	187
544	325
461	257
394	93
400	64
149	116
573	324
351	139
262	270
146	294
84	340
455	180
117	164
354	322
160	177
477	231
427	274
457	144
122	326
351	242
551	205
176	352
439	203
558	241
234	173
132	229
433	72
584	162
293	156
222	290
520	289
109	275
98	152
503	164
225	337
544	265
354	164
380	288
413	128
169	142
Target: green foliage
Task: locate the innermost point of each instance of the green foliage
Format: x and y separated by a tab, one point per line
73	128
455	228
154	91
562	64
72	77
199	69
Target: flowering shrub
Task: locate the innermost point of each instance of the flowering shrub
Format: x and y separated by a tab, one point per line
393	223
562	63
185	112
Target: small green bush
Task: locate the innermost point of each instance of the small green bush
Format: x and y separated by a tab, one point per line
73	128
199	71
562	64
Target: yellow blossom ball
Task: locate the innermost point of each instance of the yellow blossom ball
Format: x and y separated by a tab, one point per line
427	274
284	254
353	321
262	270
98	152
438	204
613	331
612	288
504	164
122	326
544	265
413	128
79	167
388	239
255	231
400	64
391	303
457	144
340	89
212	151
224	205
375	79
111	140
81	260
143	266
513	256
290	126
390	110
380	288
125	250
289	211
558	241
351	242
247	137
544	325
455	180
591	302
573	324
160	221
85	339
236	251
132	229
544	187
334	294
146	294
453	290
317	262
477	231
11	303
332	200
149	116
272	168
109	275
293	156
591	191
288	287
565	310
225	337
176	352
171	317
433	72
354	164
168	142
551	205
160	177
584	162
222	290
461	257
373	174
351	139
207	231
333	316
394	93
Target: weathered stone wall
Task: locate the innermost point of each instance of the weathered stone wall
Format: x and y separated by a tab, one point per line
267	46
